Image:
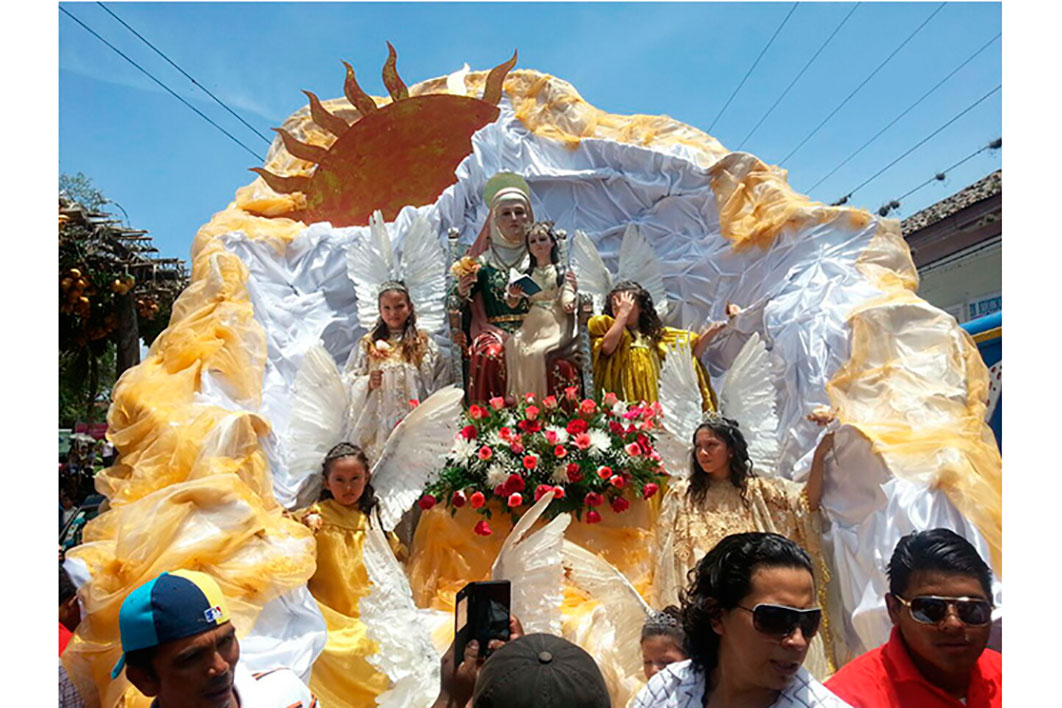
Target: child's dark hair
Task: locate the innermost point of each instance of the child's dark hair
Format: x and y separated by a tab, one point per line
649	323
727	430
368	500
411	340
665	623
545	227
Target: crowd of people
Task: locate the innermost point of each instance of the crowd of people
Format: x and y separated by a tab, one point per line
748	625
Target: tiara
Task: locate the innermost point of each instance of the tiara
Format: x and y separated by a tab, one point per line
389	285
662	621
717	418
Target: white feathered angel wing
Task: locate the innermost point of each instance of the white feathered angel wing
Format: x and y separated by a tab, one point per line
627	611
747	394
423	269
680	399
370	261
405	651
638	262
320	400
594	278
532	563
414	451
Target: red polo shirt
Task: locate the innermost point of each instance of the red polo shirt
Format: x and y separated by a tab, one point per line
887	678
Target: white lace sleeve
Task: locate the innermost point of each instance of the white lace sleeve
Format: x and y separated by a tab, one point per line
434	371
358	361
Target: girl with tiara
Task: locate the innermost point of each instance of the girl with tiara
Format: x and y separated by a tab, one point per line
549	324
402	365
663	641
341	675
629	344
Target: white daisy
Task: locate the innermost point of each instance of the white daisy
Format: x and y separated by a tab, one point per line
562	434
599	442
463	449
494	440
496	475
619	408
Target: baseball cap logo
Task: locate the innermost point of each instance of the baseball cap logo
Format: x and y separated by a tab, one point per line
212	614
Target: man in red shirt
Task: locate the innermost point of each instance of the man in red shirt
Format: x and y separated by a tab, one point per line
941	611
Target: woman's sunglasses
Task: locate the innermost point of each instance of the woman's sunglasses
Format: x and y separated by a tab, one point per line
780	621
930	609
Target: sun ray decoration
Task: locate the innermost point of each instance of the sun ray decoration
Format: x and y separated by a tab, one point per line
424	138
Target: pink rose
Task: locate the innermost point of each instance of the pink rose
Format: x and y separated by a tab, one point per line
477	412
587	407
551	437
483	528
582	441
594	499
650	489
550	402
617	481
611	399
604	472
485	453
592	517
515	500
531	412
497	403
632	449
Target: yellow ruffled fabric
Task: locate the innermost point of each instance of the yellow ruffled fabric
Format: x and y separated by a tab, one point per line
341	675
632	371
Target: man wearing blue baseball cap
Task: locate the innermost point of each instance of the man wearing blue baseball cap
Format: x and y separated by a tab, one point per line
180	648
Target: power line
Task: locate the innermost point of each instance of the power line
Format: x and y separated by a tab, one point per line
185	73
749	72
797	77
917	145
864	83
909	108
939	176
168	89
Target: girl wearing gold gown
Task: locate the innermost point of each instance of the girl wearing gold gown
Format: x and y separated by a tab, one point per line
341	675
629	344
549	324
724	496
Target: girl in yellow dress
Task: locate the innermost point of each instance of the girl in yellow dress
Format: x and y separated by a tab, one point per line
341	675
629	344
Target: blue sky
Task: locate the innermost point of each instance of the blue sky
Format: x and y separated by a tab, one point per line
171	170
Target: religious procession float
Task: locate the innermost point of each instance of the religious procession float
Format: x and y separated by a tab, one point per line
509	316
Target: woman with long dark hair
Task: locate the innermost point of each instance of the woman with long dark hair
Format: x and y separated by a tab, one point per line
750	613
629	344
724	495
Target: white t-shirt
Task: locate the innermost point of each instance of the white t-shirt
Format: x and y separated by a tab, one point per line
679	686
279	688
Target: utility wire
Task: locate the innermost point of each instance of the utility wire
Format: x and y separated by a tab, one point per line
909	108
168	89
749	72
917	145
864	83
185	73
939	177
797	77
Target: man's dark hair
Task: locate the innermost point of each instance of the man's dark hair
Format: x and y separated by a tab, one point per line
721	580
940	550
142	659
66	586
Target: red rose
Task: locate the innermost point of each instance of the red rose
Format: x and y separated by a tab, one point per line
650	489
426	502
483	528
571	393
559	452
517	448
515	483
532	426
515	500
477	500
604	472
531	412
574	475
592	517
558	492
550	402
587	407
633	449
582	441
458	499
542	489
530	462
505	433
617	481
469	432
577	426
620	505
610	399
477	412
413	403
522	425
497	403
485	453
594	499
615	427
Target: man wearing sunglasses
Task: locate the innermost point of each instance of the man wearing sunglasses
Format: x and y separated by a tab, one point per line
941	611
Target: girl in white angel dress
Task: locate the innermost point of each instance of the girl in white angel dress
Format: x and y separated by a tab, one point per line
402	365
397	361
549	324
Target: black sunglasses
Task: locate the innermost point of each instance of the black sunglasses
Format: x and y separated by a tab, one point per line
931	609
780	621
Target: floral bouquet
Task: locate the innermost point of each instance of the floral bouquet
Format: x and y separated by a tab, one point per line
466	265
589	453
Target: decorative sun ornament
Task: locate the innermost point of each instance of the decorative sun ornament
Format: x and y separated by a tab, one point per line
423	138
